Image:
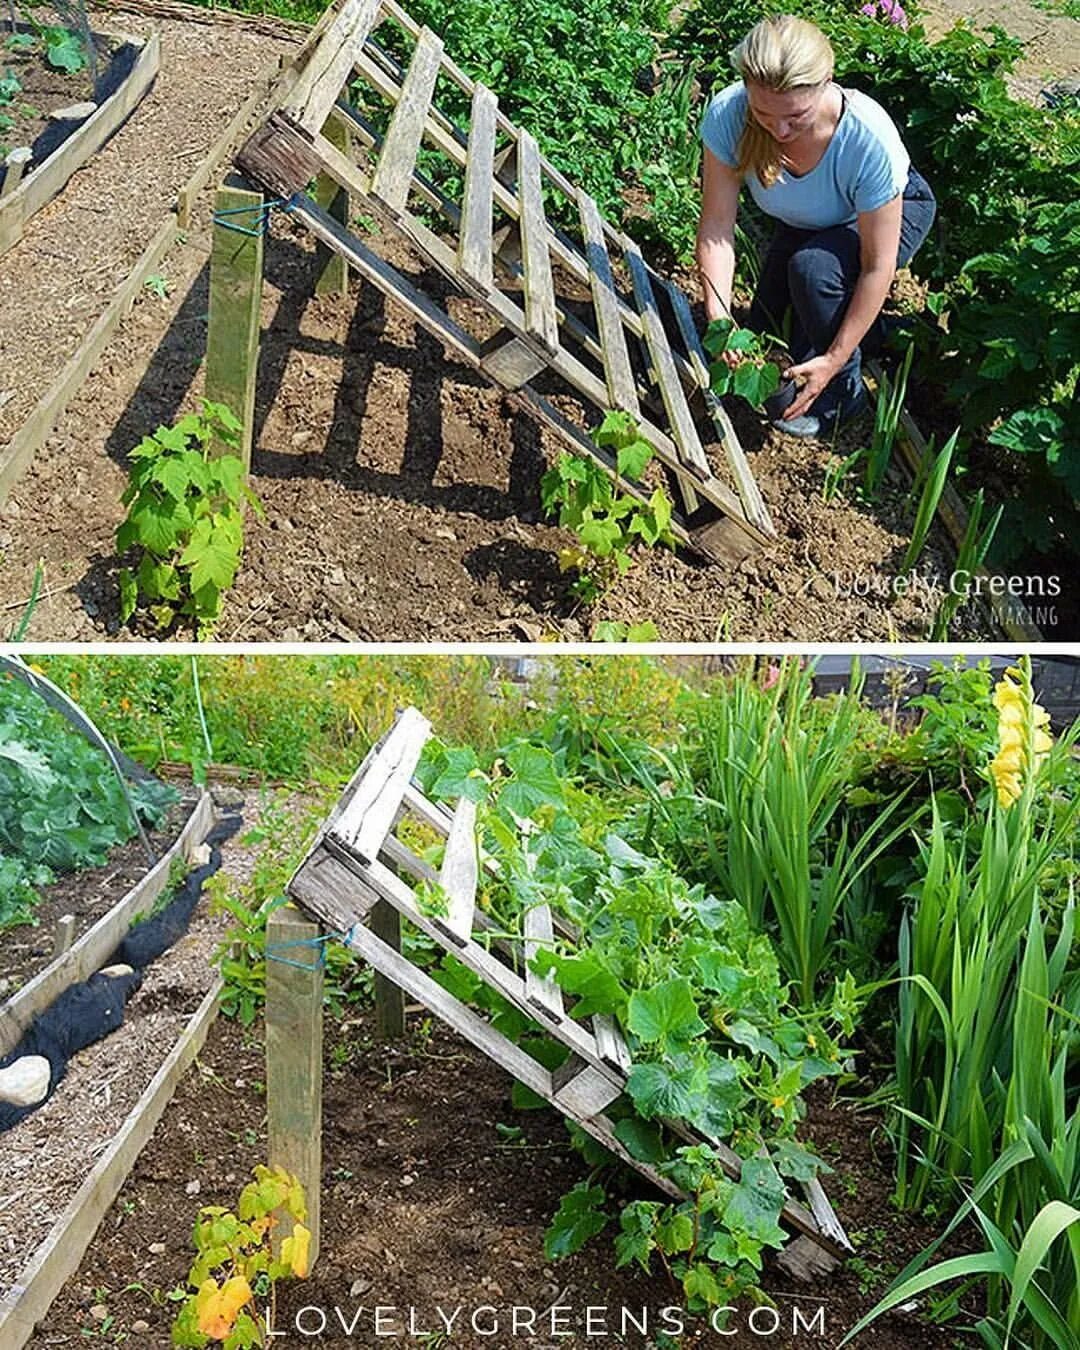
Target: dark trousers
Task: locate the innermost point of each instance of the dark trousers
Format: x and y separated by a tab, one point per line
813	273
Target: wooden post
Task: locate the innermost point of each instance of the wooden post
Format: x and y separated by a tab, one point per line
385	923
294	997
63	935
236	270
333	278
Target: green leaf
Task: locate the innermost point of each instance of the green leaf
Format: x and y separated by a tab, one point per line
212	555
460	776
579	1217
755	1202
632	459
64	50
664	1089
675	1234
667	1012
535	783
586	977
640	1138
699	1282
159	524
129	593
637	1239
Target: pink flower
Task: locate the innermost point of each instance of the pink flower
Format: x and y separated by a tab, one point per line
771	676
886	10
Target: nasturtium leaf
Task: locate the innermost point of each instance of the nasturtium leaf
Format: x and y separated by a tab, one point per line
640	1138
579	1217
665	1013
755	1202
675	1233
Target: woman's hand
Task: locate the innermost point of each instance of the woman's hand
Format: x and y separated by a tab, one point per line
811	376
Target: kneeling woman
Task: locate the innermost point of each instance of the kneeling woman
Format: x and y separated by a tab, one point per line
829	165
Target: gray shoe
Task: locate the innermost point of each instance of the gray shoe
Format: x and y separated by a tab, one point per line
811	426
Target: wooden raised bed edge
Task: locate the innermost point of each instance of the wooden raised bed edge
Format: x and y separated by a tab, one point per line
95	946
60	1255
20	450
49	178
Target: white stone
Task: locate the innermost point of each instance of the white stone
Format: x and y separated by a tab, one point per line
26	1082
200	855
75	112
114	972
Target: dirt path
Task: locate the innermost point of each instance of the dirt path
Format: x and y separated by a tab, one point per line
1052	38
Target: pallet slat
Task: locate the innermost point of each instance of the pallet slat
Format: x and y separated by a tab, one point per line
332	62
621	385
541	322
394	171
542	991
610	1043
369	815
459	874
474	245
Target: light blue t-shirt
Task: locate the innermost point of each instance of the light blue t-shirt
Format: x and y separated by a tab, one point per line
864	166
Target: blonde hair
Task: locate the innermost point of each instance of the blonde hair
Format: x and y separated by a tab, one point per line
782	54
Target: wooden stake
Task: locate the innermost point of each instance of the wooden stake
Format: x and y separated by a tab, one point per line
63	935
294	995
333	269
385	923
236	269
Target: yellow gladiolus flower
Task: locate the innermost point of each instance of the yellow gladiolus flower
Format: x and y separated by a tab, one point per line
218	1308
1022	741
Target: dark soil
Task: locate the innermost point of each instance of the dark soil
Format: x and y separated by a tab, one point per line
425	1205
87	895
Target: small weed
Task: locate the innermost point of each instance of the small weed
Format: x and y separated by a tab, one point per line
158	286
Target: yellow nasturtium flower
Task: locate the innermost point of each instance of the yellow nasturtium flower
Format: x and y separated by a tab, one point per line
218	1308
1023	742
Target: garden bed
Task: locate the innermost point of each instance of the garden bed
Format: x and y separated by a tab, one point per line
87	896
419	1213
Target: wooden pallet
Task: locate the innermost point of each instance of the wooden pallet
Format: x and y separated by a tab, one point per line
357	864
635	349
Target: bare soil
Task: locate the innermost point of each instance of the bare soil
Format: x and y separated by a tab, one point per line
425	1205
1052	40
87	896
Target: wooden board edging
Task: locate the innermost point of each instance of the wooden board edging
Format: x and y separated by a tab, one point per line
44	182
29	438
95	946
59	1256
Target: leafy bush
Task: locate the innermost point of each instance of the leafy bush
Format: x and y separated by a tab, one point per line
185	512
61	804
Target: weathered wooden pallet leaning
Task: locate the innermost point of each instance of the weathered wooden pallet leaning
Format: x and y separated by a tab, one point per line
640	352
358	865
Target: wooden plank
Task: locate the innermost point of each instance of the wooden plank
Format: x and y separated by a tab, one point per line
43	183
333	278
369	815
20	450
823	1212
541	323
294	1062
232	339
541	991
385	924
394	170
509	362
15	162
331	65
98	943
63	935
459	874
610	1043
749	492
59	1256
475	251
684	432
583	1089
622	388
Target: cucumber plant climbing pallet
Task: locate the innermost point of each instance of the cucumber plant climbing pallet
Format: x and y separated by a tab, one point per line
577	302
357	866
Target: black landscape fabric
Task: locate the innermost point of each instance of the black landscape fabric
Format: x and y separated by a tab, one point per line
88	1011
